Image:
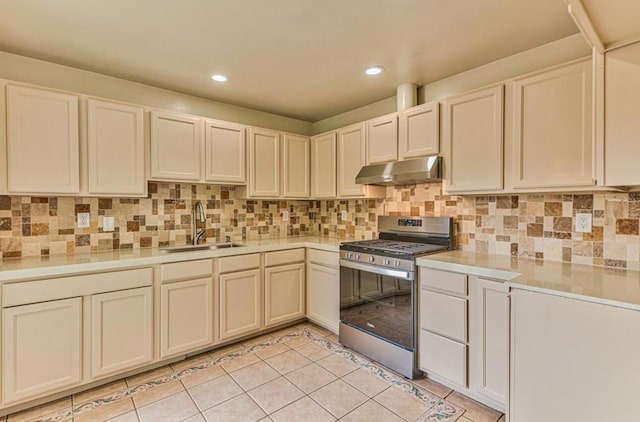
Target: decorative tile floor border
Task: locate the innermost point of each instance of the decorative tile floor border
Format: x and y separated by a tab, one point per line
439	409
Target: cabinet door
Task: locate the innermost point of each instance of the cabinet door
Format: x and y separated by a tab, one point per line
561	348
121	331
41	349
284	294
323	296
382	139
296	166
42	141
419	131
323	166
225	152
264	163
489	339
186	315
622	116
351	158
115	135
175	146
240	296
552	142
473	136
444	357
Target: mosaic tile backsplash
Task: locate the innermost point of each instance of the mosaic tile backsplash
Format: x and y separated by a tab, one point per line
531	226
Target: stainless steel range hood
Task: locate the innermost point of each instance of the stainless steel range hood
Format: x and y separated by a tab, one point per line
417	170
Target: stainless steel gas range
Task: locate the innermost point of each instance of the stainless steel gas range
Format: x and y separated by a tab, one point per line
379	288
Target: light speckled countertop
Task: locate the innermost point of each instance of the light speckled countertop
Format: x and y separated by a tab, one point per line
57	265
595	284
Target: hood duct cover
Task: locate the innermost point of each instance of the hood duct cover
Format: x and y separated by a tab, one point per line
418	170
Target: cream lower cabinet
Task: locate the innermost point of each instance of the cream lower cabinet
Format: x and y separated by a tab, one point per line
464	334
561	349
186	306
41	349
323	288
240	296
121	331
284	286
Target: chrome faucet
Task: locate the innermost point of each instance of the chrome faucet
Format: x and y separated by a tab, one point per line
197	215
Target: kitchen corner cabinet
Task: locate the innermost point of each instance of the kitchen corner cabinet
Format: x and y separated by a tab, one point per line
41	349
284	286
176	146
225	152
323	288
115	148
42	141
264	164
561	348
382	139
296	166
323	166
622	116
239	296
552	142
121	331
419	131
186	306
351	158
473	141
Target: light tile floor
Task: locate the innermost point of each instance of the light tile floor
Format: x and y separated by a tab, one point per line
297	374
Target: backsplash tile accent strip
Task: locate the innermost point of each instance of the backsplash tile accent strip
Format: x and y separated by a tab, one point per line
534	226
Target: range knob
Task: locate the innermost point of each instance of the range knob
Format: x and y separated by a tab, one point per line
349	255
372	258
397	263
357	257
386	261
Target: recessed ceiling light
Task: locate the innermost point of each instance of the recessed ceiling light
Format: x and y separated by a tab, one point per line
219	78
374	70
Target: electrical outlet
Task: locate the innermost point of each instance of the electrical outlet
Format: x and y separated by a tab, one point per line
344	215
583	223
108	224
84	220
285	215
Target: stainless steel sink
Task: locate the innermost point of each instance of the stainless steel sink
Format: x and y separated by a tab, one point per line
192	248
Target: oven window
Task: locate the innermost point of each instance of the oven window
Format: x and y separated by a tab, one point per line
380	305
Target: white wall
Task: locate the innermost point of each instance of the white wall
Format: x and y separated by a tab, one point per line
39	72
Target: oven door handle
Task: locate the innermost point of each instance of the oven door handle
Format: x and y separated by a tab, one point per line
406	275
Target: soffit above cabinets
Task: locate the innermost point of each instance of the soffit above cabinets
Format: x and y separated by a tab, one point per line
615	21
303	59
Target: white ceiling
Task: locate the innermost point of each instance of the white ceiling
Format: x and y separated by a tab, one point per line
615	20
298	58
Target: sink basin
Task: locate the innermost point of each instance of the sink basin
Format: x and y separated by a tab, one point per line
193	248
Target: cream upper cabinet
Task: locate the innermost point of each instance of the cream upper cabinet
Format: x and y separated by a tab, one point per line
473	141
240	303
552	142
42	141
382	139
351	158
175	146
264	163
419	131
115	147
284	293
41	349
225	152
296	166
622	116
323	165
121	331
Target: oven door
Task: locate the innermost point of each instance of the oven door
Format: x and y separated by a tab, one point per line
379	301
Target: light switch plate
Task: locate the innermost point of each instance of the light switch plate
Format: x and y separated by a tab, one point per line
108	224
344	215
285	215
84	220
583	223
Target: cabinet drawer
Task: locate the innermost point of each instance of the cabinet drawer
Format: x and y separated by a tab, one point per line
186	270
330	259
444	357
446	315
238	263
82	285
283	257
443	280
